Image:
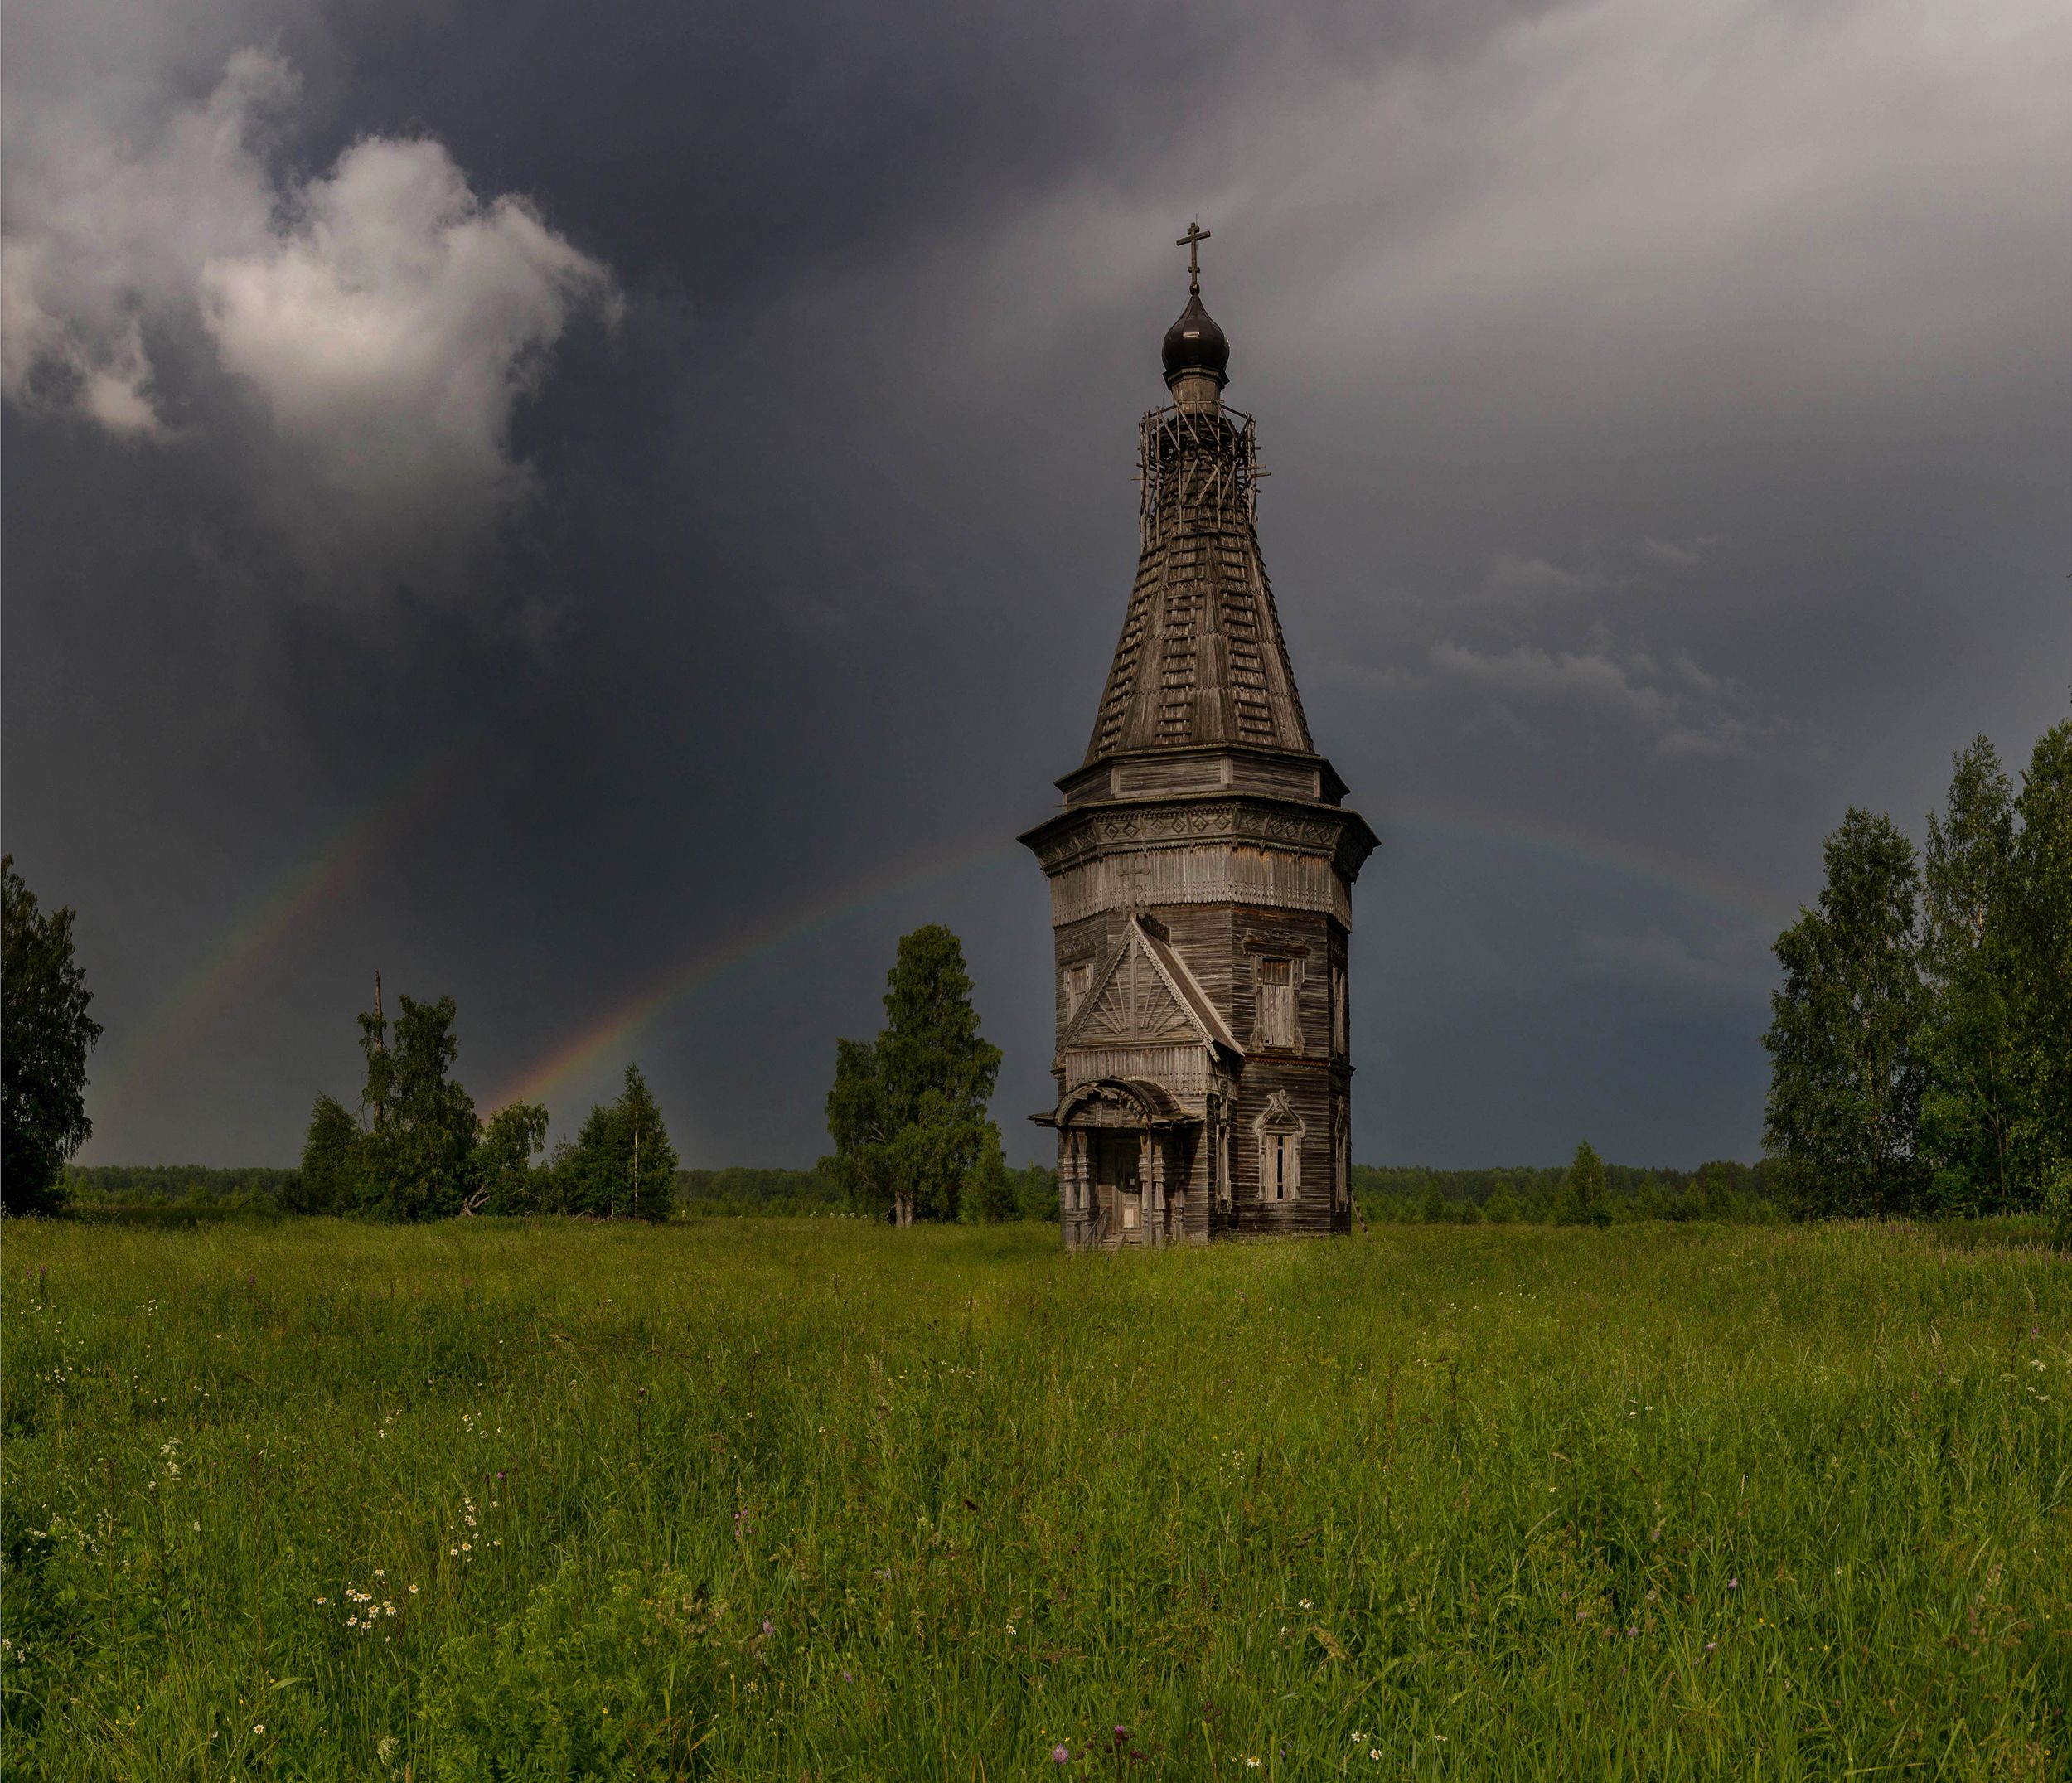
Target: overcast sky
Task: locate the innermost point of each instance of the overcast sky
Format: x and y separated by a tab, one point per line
617	513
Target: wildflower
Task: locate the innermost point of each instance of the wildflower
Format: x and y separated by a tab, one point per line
1358	1738
320	1600
767	1625
849	1677
1305	1604
1010	1628
1060	1756
1734	1584
259	1726
413	1588
1121	1733
1251	1764
1711	1645
1374	1752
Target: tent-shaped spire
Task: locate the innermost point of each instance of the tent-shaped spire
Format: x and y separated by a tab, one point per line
1201	660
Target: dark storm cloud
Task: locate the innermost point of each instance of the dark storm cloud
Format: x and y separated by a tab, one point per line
1666	407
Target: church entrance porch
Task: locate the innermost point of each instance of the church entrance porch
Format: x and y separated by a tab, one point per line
1123	1166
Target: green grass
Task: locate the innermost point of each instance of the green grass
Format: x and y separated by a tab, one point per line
1651	1502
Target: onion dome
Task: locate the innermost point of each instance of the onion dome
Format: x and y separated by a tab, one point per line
1195	345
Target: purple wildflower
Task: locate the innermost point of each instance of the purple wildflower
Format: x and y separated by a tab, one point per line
1060	1756
1734	1584
1710	1644
849	1677
1121	1733
767	1625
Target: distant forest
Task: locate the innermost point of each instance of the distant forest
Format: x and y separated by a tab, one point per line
1391	1193
1402	1194
199	1190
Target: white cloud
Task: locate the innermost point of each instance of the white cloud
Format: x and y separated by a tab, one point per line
384	318
1526	669
392	326
101	234
1516	582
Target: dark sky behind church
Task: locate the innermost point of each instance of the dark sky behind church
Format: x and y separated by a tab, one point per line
616	513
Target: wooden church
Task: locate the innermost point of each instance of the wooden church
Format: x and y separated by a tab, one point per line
1201	874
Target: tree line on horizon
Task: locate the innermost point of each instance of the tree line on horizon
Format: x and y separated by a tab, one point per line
1586	1191
1921	1043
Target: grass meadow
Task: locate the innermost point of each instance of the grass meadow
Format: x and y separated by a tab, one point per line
821	1500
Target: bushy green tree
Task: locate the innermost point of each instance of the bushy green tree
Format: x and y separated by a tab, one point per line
1713	1191
1649	1202
2038	931
333	1158
421	1153
907	1113
859	1121
1038	1188
990	1196
507	1181
411	1155
44	1036
1583	1200
1970	1093
621	1165
1501	1208
1845	1080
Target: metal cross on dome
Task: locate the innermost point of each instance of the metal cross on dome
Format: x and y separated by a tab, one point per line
1191	241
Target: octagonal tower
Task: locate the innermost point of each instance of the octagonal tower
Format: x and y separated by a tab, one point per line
1201	874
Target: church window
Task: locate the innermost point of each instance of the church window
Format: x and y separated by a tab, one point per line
1341	1041
1279	1131
1077	979
1273	992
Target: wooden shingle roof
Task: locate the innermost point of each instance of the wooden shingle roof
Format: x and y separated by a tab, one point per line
1201	659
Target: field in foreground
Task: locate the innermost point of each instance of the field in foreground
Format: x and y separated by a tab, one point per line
754	1499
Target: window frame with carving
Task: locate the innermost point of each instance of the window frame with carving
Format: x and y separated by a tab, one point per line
1279	1132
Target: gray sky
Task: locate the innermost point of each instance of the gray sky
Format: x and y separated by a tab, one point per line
617	515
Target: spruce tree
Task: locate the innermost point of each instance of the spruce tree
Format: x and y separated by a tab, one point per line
907	1113
621	1165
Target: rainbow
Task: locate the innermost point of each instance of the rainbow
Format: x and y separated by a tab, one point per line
264	926
1624	860
613	1031
319	878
